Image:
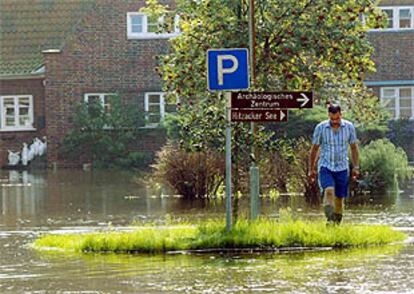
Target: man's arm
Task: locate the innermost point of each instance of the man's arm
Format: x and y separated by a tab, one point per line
355	160
313	158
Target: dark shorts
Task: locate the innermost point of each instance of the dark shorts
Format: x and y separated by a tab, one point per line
338	180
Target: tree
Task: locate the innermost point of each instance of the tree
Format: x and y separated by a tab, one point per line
103	135
301	45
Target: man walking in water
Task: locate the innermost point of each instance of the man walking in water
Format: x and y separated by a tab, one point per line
332	137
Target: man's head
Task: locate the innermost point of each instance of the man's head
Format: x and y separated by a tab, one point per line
334	111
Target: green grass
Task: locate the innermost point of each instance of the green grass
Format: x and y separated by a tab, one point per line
263	233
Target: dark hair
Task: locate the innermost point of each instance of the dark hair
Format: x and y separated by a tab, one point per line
334	108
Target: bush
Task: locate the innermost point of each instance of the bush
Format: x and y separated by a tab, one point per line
301	123
286	170
103	137
191	174
382	163
401	133
134	159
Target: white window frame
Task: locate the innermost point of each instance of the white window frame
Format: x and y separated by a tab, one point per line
147	105
101	97
396	18
397	97
411	18
16	127
148	35
102	101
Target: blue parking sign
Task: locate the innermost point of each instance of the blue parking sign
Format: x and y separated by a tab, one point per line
227	69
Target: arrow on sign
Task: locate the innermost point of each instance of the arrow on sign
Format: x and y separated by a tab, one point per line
271	100
282	115
256	115
304	99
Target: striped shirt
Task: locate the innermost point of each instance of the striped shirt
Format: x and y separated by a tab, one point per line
334	144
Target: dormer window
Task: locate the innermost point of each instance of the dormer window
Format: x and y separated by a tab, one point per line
143	26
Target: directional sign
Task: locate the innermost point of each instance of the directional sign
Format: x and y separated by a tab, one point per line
258	115
227	69
268	100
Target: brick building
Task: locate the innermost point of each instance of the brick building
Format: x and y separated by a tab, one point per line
394	46
57	53
54	54
393	81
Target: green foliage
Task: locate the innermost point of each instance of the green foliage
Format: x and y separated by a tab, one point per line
263	233
401	133
301	45
103	137
134	159
302	123
382	163
326	50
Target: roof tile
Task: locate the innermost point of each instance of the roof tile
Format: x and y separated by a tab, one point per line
31	26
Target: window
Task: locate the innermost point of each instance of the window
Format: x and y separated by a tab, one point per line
155	108
390	17
399	18
104	99
405	18
142	26
399	101
16	112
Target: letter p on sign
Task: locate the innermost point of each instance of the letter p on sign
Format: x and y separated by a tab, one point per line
227	69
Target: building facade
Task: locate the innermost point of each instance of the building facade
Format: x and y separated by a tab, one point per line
55	54
393	81
59	53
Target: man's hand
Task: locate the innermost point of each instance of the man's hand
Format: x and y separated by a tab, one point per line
355	173
312	176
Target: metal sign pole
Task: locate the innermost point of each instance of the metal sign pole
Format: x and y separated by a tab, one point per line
228	160
254	170
228	69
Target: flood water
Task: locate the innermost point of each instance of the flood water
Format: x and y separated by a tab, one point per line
68	201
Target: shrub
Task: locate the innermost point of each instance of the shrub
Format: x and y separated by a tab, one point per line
191	174
287	171
382	163
103	137
301	123
401	133
134	159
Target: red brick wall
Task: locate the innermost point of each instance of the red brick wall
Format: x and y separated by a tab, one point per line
14	140
393	55
98	58
396	2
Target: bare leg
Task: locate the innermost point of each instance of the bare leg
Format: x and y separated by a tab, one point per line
329	203
338	209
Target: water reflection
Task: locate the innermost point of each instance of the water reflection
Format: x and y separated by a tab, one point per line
67	195
351	271
21	193
101	197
